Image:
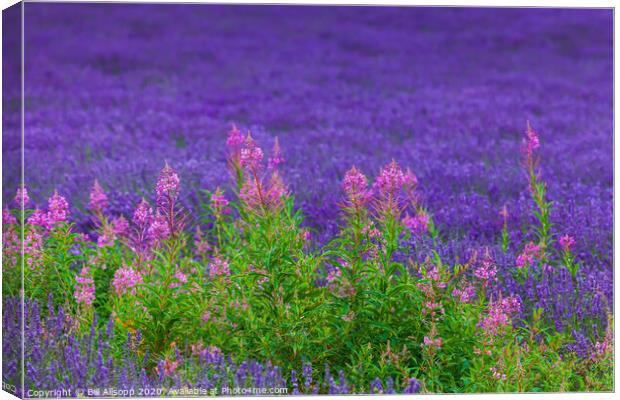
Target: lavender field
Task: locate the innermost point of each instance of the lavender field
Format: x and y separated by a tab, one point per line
308	200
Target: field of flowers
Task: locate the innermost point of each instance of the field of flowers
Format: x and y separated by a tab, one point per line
309	200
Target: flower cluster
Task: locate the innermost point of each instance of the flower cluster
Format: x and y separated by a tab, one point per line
126	279
528	256
256	190
567	242
487	270
167	188
218	267
355	185
84	288
98	199
465	294
57	212
418	224
21	197
499	315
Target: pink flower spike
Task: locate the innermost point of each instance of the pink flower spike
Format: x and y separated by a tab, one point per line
159	230
98	199
84	288
275	159
170	367
530	253
437	342
180	278
218	266
143	214
487	270
418	224
466	294
391	179
276	191
235	138
58	209
218	201
167	187
8	218
107	238
126	278
355	185
354	182
37	218
567	242
250	193
531	142
120	226
22	196
251	154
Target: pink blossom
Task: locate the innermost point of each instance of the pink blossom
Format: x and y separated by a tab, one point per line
38	218
432	308
251	154
432	274
531	141
120	226
436	342
218	201
180	278
602	347
84	288
487	269
81	237
333	275
201	243
499	315
167	187
57	209
250	193
218	266
126	278
276	191
411	180
11	243
465	294
355	185
107	238
98	199
143	214
159	229
391	179
496	374
8	218
170	367
22	196
275	158
33	243
235	138
567	242
418	224
530	253
196	348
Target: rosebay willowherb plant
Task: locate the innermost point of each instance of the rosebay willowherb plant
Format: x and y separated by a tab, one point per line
154	299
